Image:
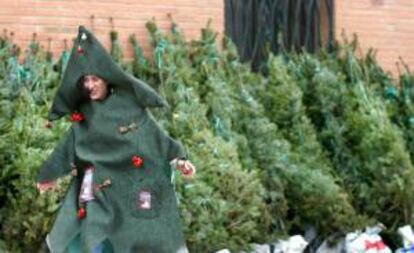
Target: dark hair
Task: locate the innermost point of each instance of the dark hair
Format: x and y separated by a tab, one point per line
84	93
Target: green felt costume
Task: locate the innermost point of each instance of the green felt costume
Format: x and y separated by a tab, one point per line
112	132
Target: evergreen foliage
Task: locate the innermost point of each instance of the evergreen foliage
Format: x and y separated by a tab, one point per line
25	144
366	149
223	206
282	158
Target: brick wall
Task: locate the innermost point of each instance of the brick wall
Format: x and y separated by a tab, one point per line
387	25
59	19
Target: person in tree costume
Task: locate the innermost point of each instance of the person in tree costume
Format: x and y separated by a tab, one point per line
121	198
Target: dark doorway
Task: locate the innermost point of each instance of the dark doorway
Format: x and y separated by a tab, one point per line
260	26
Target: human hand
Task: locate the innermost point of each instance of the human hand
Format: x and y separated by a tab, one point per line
42	187
187	169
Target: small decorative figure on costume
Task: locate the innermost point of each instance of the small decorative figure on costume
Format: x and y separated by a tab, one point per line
121	198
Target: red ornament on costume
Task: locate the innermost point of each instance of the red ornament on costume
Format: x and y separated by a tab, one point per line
77	117
137	161
81	213
80	50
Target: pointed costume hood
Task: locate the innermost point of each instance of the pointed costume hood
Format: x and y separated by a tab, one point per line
89	57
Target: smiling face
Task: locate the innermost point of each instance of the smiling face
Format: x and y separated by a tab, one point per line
96	87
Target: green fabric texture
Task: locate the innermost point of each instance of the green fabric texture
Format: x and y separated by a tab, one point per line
116	214
58	164
104	247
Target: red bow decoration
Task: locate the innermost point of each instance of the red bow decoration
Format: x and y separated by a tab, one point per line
379	245
77	117
137	161
81	213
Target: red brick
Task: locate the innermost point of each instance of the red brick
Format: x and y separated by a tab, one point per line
59	19
388	27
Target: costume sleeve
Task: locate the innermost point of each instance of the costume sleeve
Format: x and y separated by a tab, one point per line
58	164
175	149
